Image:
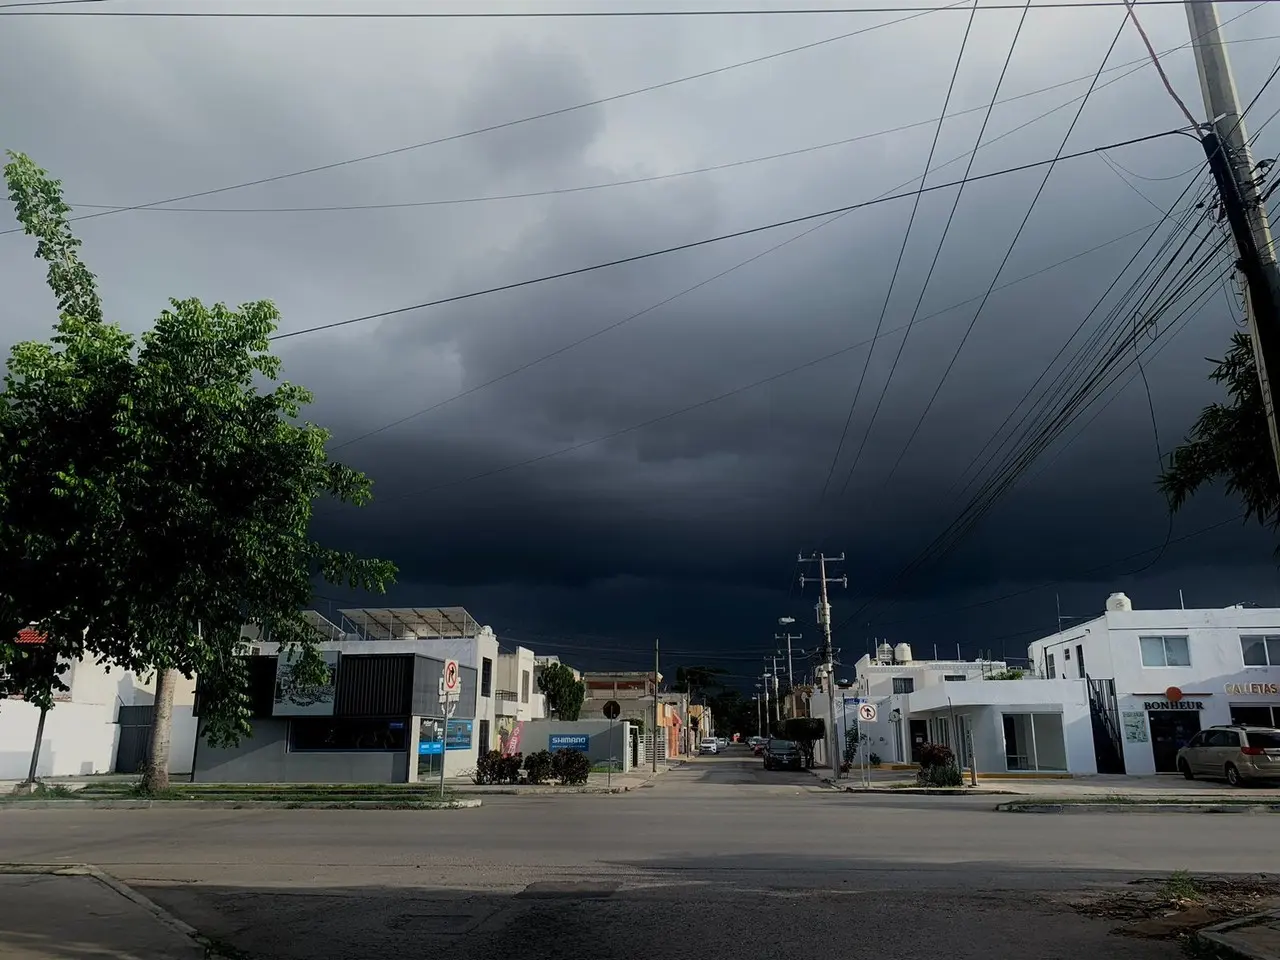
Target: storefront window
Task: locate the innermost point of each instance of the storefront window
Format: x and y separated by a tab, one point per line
1251	715
1034	741
333	733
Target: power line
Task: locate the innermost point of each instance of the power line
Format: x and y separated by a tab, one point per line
546	114
568	14
1008	253
710	240
884	389
711	168
902	250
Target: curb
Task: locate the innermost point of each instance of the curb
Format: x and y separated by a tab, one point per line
239	804
88	870
1217	941
1174	807
936	791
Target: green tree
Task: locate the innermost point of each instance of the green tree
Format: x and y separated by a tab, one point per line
564	691
157	492
805	731
1229	443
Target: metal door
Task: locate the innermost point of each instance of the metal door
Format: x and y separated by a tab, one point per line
135	738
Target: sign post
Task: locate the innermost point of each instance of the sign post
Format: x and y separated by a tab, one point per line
450	690
867	713
611	710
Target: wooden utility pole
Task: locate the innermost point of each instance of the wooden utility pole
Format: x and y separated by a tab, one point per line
1227	147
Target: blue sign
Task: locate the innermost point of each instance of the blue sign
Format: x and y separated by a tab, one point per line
458	735
428	748
569	741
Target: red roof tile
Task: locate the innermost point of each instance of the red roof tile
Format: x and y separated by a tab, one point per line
28	635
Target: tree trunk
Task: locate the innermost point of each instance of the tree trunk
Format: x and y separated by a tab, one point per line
155	776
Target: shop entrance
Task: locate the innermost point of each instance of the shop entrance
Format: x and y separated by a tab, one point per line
1171	730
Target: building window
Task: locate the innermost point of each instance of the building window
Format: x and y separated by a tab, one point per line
1165	651
1050	669
1261	651
337	733
953	676
524	686
1080	661
486	677
904	684
483	741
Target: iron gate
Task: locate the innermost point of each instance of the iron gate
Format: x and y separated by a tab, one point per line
135	736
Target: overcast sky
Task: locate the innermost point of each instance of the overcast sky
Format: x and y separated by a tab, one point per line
686	528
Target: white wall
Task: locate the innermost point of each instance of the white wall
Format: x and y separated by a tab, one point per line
78	739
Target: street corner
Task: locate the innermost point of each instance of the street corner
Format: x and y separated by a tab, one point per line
55	911
1255	937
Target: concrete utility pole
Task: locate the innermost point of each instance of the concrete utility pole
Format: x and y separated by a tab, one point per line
828	653
654	750
777	691
765	686
1227	147
759	717
791	676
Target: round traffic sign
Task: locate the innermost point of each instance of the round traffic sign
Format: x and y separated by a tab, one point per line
611	710
867	711
452	679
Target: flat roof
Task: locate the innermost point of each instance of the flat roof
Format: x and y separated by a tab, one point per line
409	623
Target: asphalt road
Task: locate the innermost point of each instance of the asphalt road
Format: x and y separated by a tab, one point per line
717	858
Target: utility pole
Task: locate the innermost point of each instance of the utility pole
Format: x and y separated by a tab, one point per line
1227	147
777	692
827	652
765	687
654	750
791	677
759	717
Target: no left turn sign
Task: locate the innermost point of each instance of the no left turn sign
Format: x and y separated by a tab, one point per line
867	711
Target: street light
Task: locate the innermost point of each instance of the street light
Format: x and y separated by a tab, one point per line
783	621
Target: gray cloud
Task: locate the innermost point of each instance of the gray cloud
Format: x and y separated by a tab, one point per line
686	526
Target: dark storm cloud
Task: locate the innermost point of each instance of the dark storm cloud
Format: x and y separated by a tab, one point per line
687	527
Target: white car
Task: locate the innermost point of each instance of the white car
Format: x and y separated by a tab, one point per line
709	745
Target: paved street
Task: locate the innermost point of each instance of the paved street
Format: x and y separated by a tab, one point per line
717	856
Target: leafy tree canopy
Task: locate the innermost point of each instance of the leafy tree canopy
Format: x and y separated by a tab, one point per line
564	692
156	492
1230	443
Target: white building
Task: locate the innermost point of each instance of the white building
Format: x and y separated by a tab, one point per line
888	680
1155	677
100	725
517	699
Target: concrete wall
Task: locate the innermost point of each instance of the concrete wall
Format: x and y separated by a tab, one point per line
600	747
78	739
265	758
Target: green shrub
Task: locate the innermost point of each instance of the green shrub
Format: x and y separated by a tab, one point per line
874	759
509	768
940	775
489	768
538	767
570	766
936	755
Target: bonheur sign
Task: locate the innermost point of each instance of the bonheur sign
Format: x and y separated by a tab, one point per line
1173	705
1253	689
296	700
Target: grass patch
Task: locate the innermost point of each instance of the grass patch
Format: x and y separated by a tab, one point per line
43	791
1181	885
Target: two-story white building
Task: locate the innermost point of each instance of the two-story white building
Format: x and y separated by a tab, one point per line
888	680
1156	677
516	696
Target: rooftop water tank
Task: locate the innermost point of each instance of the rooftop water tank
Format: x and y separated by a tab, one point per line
902	653
884	653
1118	603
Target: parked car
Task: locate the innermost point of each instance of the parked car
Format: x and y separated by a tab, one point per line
757	749
709	745
722	742
782	755
1235	753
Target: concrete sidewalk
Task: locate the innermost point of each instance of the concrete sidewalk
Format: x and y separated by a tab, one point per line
61	912
1249	938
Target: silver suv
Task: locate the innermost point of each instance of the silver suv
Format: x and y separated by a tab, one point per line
1235	753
